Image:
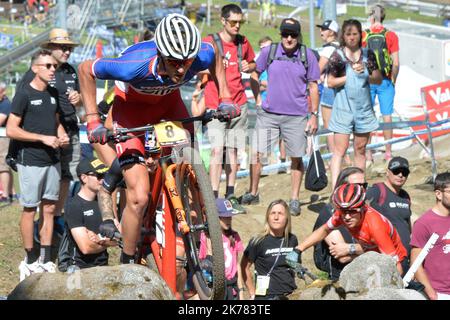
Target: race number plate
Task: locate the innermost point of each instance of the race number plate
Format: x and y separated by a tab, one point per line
170	134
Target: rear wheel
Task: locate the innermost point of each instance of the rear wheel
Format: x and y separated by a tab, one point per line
198	200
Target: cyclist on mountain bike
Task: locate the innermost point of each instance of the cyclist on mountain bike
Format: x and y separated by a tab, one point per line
149	75
367	226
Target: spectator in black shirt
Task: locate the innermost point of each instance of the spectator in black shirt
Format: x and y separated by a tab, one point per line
267	251
34	123
83	218
339	248
392	201
66	84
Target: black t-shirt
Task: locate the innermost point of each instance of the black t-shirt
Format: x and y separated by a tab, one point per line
82	213
264	254
38	110
322	257
397	208
65	77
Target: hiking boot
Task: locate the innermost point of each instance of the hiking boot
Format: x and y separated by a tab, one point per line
49	267
294	207
237	208
248	199
27	269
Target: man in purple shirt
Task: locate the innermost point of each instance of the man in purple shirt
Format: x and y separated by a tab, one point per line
434	272
293	72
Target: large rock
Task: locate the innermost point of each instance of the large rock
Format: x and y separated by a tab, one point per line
122	282
389	294
328	293
370	270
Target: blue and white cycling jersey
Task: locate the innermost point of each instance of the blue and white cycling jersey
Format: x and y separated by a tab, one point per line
137	68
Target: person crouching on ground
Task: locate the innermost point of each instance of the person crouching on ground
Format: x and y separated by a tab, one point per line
367	226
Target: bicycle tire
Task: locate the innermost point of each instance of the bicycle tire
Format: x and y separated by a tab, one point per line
192	157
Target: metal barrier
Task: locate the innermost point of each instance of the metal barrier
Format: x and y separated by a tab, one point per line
431	127
395	125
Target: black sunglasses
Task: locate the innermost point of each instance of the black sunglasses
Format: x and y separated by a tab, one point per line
364	185
65	48
48	65
97	175
287	34
403	171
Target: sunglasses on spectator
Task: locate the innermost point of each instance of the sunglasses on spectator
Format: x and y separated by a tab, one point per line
97	175
364	185
48	65
177	64
404	172
235	22
65	48
287	34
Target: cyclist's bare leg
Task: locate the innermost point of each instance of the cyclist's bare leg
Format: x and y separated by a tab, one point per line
138	189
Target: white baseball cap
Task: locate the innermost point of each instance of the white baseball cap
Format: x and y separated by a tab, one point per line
329	25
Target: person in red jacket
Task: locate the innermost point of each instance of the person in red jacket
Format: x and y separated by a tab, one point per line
367	226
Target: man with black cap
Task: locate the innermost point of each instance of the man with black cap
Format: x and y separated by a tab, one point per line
392	201
83	218
293	73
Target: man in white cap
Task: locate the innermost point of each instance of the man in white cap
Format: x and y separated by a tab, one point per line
66	83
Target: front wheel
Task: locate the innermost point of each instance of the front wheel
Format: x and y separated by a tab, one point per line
198	200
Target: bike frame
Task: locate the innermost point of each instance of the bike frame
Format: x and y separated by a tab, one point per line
164	194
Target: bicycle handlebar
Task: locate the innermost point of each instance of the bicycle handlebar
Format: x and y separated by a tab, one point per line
120	134
301	271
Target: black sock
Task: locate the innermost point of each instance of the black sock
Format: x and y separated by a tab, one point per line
230	191
46	253
216	194
31	255
126	259
283	160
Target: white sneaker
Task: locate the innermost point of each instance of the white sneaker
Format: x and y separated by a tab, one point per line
26	270
48	267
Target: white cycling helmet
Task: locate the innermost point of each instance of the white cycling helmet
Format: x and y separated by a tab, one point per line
177	37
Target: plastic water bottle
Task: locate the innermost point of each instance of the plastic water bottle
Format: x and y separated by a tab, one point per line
159	226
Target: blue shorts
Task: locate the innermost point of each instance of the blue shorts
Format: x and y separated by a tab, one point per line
386	93
327	97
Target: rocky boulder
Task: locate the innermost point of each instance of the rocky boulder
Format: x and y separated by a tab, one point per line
389	294
122	282
369	271
371	276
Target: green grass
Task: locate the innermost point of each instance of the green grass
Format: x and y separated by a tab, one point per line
255	31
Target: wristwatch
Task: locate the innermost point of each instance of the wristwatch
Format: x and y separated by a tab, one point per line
352	249
315	114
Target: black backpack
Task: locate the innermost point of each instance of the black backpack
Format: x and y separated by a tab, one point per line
316	175
377	43
273	49
66	252
240	41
